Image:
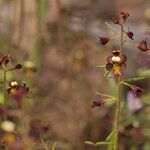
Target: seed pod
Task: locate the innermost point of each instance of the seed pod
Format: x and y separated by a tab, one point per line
104	40
18	66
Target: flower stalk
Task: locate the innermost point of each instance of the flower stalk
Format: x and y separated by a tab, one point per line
117	113
5	83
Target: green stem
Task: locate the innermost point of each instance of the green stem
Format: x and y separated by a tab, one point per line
5	88
117	113
117	116
25	126
115	37
121	40
105	95
4	82
125	83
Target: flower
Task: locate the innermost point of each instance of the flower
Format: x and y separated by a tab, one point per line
142	46
97	103
130	34
29	66
8	126
123	16
116	63
104	40
4	60
17	92
136	90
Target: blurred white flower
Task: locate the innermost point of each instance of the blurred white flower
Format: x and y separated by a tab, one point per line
8	126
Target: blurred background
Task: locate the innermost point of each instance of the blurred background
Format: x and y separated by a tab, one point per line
58	39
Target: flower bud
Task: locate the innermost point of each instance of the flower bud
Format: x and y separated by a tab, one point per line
18	66
5	60
130	34
97	103
136	90
104	40
115	20
142	46
123	16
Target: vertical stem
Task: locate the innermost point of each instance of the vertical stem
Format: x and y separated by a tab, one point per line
121	40
5	81
25	126
21	25
117	115
5	88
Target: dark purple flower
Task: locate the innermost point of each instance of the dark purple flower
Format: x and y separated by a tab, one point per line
130	34
17	92
4	60
136	90
142	46
116	63
97	103
104	40
123	16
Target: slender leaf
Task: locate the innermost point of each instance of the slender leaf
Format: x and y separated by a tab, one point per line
89	143
105	95
42	9
103	143
111	27
106	73
110	135
134	79
54	146
100	66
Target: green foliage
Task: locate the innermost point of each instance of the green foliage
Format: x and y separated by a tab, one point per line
54	146
111	28
42	9
98	143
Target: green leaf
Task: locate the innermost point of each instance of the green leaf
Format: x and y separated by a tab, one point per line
89	143
106	73
134	79
54	146
112	86
110	135
1	98
129	120
100	66
42	9
144	72
103	143
105	95
112	29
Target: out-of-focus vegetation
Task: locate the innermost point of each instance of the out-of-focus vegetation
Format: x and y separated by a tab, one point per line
56	41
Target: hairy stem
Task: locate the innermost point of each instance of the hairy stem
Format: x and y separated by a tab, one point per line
5	82
5	88
117	113
25	121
